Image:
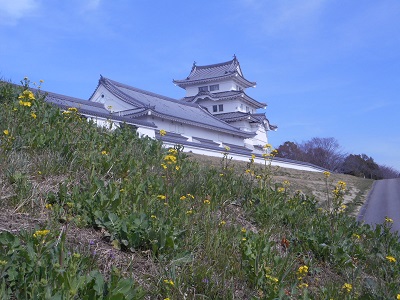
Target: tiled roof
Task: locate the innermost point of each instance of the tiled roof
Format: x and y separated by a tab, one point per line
168	108
238	116
88	108
225	70
226	96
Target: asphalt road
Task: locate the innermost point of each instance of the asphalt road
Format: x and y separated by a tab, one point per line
383	201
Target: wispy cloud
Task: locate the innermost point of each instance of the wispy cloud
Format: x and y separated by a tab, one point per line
12	11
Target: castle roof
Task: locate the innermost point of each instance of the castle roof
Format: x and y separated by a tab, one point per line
227	95
89	108
215	72
253	118
148	103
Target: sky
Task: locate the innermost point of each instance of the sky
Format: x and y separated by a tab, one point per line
326	68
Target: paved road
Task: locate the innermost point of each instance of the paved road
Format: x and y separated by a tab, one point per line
383	201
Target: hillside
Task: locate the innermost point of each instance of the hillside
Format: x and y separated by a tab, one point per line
89	213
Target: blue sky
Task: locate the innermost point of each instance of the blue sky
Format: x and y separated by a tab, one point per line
325	68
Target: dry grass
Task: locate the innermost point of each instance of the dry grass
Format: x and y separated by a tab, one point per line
310	183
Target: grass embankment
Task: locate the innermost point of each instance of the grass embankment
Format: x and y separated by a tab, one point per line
90	214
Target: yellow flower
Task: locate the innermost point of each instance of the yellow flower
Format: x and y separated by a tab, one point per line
170	282
388	220
190	196
391	258
221	174
6	132
207	202
267	146
398	297
273	279
41	233
33	115
301	272
348	287
74	109
253	156
182	198
243	230
163	132
27	94
153	217
3	262
161	197
222	223
177	168
327	174
303	285
355	235
265	155
286	183
25	103
164	166
173	151
189	212
170	159
104	152
281	190
227	148
48	206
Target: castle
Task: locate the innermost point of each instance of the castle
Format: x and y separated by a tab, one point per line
215	114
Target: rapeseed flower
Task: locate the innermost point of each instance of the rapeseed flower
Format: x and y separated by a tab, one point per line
163	132
348	287
391	258
208	202
39	233
33	115
27	94
327	174
170	159
273	279
388	220
161	197
303	285
6	132
170	282
301	272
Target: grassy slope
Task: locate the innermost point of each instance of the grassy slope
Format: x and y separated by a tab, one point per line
180	228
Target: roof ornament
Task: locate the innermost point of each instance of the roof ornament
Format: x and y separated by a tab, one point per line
194	65
234	57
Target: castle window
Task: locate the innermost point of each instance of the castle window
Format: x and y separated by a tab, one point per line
214	87
203	89
215	108
221	107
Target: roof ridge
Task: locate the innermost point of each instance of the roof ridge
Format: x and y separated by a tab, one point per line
123	85
229	62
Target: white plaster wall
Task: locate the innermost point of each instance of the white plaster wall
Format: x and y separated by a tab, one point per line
109	101
228	85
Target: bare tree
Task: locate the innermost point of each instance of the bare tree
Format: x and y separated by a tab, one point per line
323	152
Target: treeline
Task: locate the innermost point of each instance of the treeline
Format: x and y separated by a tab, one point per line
327	153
